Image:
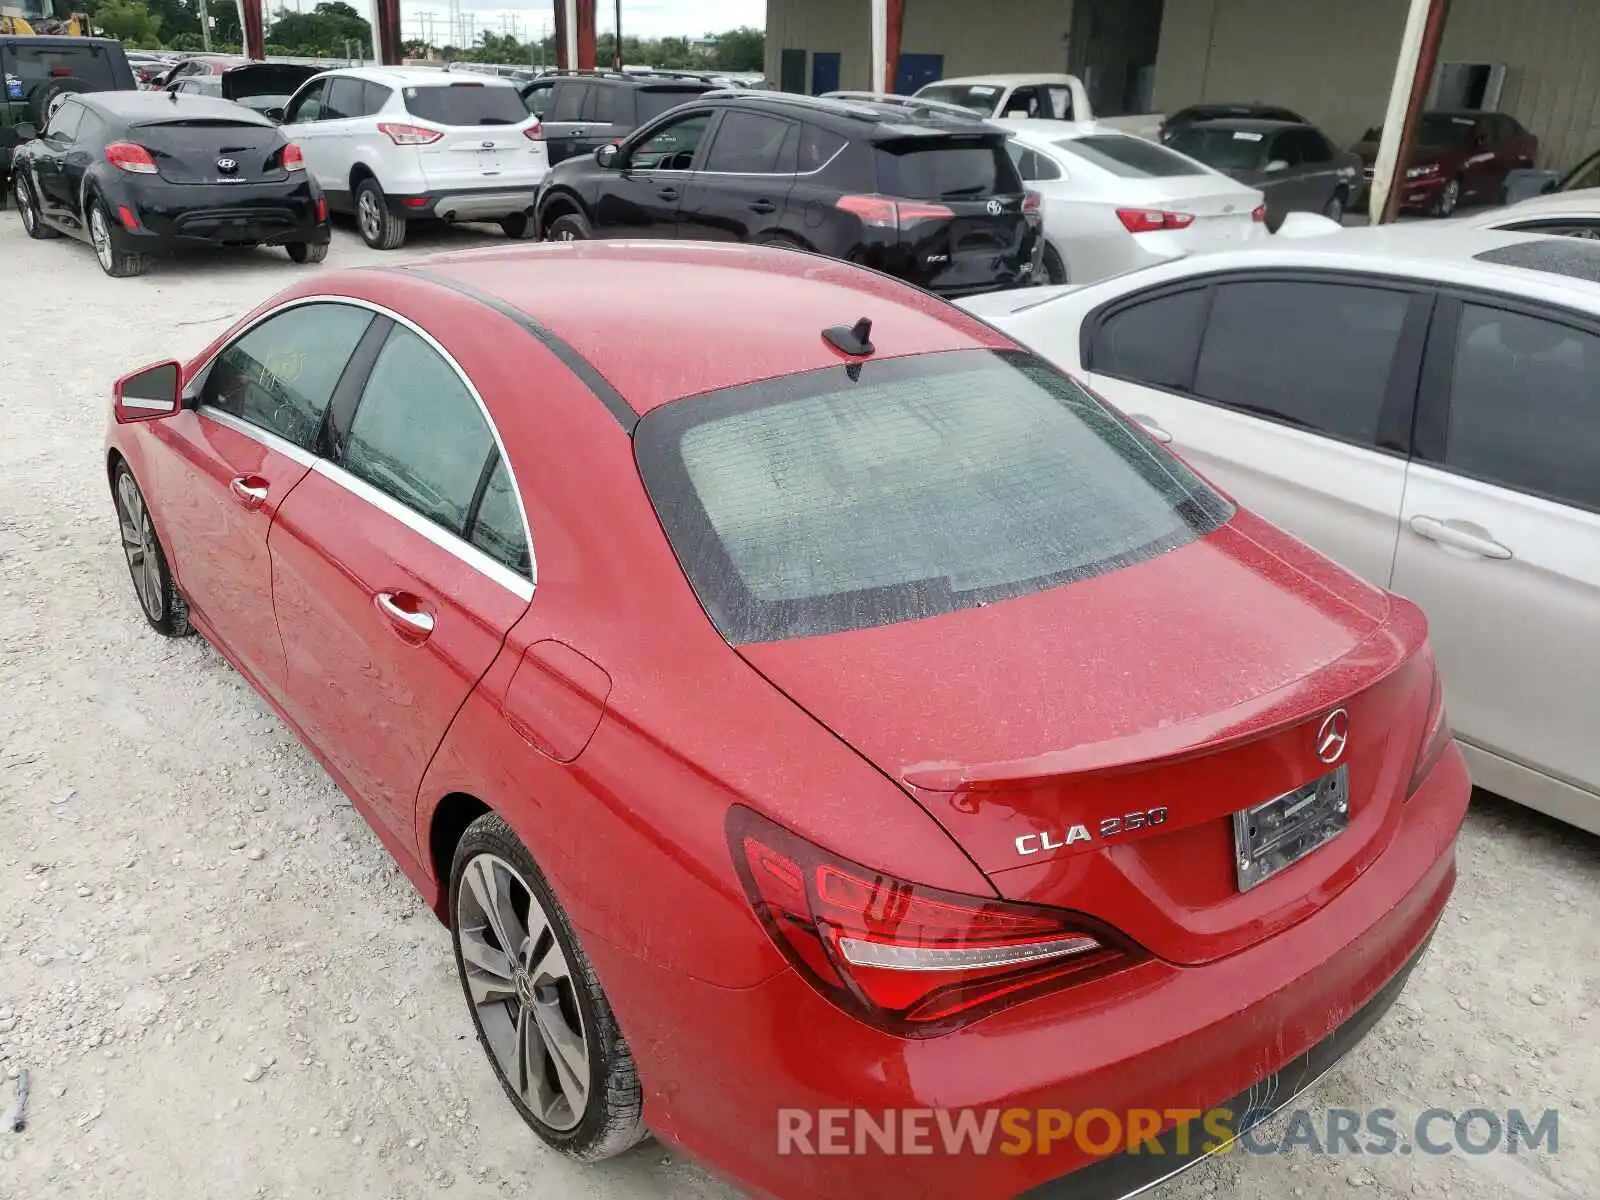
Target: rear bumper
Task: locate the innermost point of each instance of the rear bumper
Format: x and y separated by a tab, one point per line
174	216
465	204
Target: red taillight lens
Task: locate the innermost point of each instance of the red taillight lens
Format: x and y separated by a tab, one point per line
130	157
1152	220
129	221
1436	737
293	160
1031	202
1259	214
883	212
408	135
911	959
534	132
322	209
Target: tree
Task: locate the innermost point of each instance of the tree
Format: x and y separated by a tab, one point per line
323	31
128	22
742	49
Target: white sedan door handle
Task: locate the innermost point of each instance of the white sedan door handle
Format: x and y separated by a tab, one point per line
1458	538
416	622
1152	428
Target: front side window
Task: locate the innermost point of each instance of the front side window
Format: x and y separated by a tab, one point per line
280	375
307	106
63	126
1154	342
672	147
1313	355
1313	147
1524	411
417	434
816	503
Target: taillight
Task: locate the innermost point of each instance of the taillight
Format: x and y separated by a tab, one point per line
408	135
1152	220
322	209
911	959
1258	214
130	157
884	212
293	160
534	132
1436	737
1032	204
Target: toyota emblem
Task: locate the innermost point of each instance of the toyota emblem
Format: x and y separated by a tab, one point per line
995	208
227	165
1333	736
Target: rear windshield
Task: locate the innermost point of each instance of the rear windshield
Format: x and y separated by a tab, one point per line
1130	157
28	68
941	168
655	101
1224	149
466	104
1435	129
979	97
814	504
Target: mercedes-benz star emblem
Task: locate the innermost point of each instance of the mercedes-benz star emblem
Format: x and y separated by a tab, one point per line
227	165
995	208
1333	736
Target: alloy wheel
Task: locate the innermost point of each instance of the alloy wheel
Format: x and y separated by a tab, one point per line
1335	209
100	235
1447	201
371	218
139	546
25	204
522	986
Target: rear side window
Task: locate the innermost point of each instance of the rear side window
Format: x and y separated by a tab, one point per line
417	434
1129	157
813	503
466	104
280	375
374	96
655	101
344	99
1031	165
1313	355
1522	405
751	144
818	147
566	101
937	168
497	528
611	105
1153	342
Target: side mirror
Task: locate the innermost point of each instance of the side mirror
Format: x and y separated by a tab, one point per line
24	131
606	156
275	115
1277	165
149	394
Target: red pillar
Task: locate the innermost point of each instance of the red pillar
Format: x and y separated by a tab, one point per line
561	36
250	21
387	26
897	25
586	20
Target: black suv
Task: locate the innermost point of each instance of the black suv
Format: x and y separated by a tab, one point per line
583	110
934	200
36	71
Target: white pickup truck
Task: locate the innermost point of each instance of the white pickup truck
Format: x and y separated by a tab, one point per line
1034	97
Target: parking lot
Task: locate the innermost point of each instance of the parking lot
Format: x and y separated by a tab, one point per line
222	987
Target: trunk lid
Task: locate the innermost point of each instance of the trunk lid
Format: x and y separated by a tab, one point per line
482	143
1221	209
198	150
276	80
1194	682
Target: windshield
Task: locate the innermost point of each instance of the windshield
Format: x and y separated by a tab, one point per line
816	503
978	97
655	101
1224	149
466	104
1130	157
1435	129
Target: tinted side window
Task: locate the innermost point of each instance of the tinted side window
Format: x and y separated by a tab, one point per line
818	148
63	127
1315	355
1314	147
1154	342
418	434
1032	165
497	530
281	375
610	105
747	144
344	99
1286	148
566	103
1523	406
537	100
1023	102
673	146
373	97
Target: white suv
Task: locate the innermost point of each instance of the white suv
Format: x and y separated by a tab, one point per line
396	144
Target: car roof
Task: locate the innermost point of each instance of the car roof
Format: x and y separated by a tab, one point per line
893	119
1011	80
138	108
603	299
1250	124
1580	202
58	41
416	76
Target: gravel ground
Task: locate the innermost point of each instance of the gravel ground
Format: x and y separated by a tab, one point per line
223	988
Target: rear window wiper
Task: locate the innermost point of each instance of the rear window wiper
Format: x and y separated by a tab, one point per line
976	189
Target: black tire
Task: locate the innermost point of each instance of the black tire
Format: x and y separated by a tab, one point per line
377	224
568	227
38	103
1445	205
28	209
780	241
612	1120
517	226
164	608
307	252
114	260
1055	271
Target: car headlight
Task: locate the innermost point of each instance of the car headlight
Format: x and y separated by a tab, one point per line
1420	172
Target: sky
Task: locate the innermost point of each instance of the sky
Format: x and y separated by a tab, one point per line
645	18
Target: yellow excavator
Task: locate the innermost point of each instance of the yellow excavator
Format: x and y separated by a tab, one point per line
35	17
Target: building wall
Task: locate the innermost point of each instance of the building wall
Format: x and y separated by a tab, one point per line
1334	60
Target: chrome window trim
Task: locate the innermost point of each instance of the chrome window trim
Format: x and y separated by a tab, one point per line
302	456
266	437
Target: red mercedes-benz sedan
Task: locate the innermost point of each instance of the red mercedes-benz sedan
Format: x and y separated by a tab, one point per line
796	697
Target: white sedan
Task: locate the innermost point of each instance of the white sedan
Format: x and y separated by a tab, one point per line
1114	202
1419	403
1564	214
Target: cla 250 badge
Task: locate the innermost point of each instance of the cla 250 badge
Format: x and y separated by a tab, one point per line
1110	827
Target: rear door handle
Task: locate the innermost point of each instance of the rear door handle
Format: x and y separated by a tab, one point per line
668	193
763	206
249	490
407	613
1152	428
1457	538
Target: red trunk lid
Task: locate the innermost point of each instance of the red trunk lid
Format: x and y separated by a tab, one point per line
1194	682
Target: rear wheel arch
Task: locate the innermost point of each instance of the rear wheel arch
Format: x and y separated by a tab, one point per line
359	172
450	820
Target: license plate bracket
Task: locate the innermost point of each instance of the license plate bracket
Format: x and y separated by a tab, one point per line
1277	833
